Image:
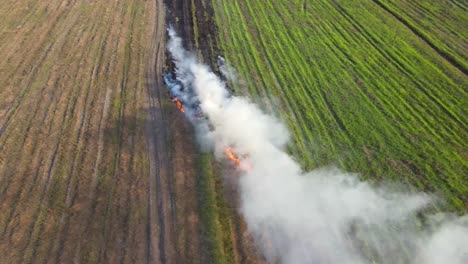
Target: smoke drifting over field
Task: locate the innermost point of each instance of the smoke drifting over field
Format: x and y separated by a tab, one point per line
322	216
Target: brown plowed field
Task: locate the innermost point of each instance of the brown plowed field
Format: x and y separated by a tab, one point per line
89	172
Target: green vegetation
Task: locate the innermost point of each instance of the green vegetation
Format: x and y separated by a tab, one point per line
376	87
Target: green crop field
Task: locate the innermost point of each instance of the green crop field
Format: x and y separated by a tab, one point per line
375	87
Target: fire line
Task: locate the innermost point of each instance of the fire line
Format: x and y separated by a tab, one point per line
232	156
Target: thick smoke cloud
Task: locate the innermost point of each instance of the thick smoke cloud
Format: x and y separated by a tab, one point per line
322	216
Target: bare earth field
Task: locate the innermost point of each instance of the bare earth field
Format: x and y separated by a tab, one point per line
85	146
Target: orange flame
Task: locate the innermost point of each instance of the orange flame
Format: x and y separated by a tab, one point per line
178	104
232	156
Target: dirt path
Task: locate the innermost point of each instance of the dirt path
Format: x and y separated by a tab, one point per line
159	201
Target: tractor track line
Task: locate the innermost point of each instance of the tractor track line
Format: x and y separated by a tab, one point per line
443	53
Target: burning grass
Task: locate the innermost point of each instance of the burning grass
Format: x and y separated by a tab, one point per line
229	152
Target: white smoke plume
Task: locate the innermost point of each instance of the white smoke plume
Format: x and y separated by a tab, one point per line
322	216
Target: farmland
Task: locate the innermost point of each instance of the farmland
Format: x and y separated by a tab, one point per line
375	87
72	133
98	166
